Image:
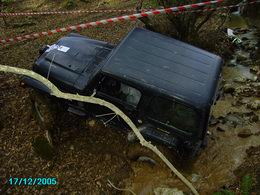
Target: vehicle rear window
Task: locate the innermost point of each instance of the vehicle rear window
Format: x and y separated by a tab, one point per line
174	114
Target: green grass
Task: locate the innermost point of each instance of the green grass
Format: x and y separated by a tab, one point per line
245	187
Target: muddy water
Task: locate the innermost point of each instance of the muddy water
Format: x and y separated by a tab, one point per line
236	21
238	72
228	139
212	169
223	155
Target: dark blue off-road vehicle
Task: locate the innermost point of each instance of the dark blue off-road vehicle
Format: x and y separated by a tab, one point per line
165	86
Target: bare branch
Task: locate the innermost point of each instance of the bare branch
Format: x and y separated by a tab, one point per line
204	21
145	20
120	189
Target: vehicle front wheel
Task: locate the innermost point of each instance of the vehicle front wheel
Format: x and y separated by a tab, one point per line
45	113
44	110
136	152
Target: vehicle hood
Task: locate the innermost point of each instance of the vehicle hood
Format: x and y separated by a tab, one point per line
70	62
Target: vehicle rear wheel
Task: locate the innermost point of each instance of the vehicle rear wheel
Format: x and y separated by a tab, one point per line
136	152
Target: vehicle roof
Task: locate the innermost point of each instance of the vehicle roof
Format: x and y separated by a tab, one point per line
166	65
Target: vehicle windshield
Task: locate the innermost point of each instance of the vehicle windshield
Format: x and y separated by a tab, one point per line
174	114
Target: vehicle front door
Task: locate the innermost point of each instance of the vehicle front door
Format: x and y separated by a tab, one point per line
120	94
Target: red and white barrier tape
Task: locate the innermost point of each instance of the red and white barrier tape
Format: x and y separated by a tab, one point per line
65	12
14	14
111	20
221	7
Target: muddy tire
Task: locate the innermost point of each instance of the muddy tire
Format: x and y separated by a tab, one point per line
44	111
136	152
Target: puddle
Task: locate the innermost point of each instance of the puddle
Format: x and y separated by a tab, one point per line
238	72
236	21
223	155
146	178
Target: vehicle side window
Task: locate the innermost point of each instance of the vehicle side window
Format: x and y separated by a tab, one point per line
173	113
119	90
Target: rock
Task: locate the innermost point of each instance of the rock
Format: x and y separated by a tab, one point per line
241	57
195	177
244	100
213	121
131	137
231	63
228	88
255	105
244	133
247	63
234	119
245	91
254	69
240	80
222	128
255	85
167	191
254	78
147	160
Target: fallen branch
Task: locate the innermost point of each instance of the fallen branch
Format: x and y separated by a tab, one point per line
93	100
120	189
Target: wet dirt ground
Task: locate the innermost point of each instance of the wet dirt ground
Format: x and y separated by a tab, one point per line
86	158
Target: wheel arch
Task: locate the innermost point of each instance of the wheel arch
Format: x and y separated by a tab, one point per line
28	81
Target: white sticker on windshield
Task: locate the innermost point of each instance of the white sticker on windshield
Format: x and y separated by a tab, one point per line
58	47
52	47
63	48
